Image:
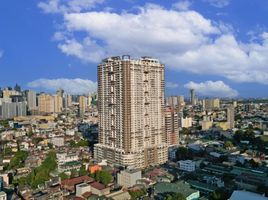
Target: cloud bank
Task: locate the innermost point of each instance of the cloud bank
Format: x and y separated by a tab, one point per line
182	39
71	86
212	89
218	3
67	6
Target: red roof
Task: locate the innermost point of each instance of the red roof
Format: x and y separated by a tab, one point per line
87	194
78	198
77	180
97	185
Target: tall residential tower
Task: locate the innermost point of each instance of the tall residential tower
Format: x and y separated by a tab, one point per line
192	97
131	112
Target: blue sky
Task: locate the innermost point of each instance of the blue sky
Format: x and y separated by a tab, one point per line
218	47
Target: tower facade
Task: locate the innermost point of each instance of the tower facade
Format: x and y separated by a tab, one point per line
131	112
231	116
172	126
31	100
46	103
192	97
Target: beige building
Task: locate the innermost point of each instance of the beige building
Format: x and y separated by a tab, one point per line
128	178
89	100
186	122
8	93
206	125
223	125
67	100
172	126
231	116
31	100
210	104
3	195
58	103
50	104
45	103
131	112
82	104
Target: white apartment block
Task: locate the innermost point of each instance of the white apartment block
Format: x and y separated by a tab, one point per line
128	178
65	158
186	122
3	196
57	141
186	165
131	112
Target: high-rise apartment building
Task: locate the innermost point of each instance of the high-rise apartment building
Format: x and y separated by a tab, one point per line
31	99
45	103
172	101
172	126
7	93
131	112
175	101
82	105
185	122
210	104
58	103
89	100
67	100
10	109
192	97
231	116
60	92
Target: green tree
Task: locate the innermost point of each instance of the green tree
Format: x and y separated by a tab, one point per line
218	194
135	194
72	143
185	131
253	163
80	143
103	177
41	174
183	153
18	160
63	176
174	196
74	173
228	145
7	151
238	135
83	171
37	140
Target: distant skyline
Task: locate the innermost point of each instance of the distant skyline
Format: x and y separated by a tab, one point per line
217	47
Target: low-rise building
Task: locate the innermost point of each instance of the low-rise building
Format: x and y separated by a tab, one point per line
82	189
3	196
129	177
238	195
160	189
99	189
57	141
186	165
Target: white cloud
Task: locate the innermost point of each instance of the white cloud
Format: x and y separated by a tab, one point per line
153	31
67	6
87	50
182	5
171	85
212	89
218	3
183	40
71	86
